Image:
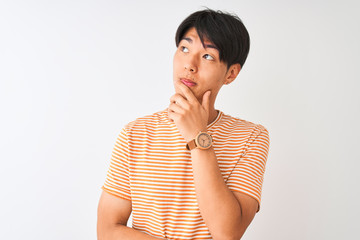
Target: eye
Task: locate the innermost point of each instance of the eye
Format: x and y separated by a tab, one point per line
184	49
208	57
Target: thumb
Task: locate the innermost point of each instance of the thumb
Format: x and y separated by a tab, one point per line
206	101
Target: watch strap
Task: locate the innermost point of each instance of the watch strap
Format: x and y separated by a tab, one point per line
191	145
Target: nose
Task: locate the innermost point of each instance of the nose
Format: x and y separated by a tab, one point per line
190	65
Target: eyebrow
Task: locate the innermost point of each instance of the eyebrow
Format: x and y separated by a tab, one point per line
205	45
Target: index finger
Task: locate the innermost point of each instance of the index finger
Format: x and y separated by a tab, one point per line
187	92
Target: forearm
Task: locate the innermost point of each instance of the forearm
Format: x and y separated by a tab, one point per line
218	206
122	232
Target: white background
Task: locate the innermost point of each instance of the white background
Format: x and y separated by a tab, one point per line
72	73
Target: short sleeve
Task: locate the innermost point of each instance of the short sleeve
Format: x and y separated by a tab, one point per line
117	179
247	176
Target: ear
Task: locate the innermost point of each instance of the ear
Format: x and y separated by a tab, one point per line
232	73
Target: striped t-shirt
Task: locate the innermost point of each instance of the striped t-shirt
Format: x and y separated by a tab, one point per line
151	166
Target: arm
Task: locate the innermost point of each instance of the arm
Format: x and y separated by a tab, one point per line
227	214
113	214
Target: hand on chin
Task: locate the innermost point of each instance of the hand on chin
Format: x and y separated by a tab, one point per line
188	113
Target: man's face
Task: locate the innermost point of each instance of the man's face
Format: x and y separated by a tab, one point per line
197	67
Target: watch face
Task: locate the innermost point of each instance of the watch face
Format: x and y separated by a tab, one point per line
204	140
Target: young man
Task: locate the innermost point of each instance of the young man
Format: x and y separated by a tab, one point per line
190	171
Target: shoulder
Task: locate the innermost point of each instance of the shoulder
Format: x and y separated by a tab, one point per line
144	122
237	124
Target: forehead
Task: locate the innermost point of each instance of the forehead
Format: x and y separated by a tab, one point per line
191	35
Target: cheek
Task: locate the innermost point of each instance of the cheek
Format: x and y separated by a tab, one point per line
176	65
220	76
177	58
215	77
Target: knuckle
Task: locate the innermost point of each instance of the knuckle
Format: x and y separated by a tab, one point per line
187	107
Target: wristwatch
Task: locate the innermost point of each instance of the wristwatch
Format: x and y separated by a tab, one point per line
202	141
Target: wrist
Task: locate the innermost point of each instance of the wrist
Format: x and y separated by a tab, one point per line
203	140
194	134
198	150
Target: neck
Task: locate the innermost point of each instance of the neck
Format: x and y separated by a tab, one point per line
212	114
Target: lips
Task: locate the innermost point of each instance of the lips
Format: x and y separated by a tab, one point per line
187	82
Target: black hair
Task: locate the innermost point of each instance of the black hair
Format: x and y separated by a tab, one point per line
224	30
